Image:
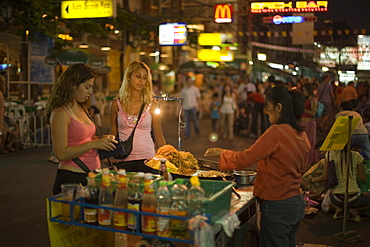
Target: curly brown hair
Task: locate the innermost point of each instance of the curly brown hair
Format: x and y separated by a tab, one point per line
62	91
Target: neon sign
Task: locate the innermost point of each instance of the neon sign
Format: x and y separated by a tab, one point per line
223	13
298	6
278	19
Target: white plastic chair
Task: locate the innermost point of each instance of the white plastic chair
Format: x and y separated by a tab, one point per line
17	111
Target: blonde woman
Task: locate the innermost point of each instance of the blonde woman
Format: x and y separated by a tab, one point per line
136	90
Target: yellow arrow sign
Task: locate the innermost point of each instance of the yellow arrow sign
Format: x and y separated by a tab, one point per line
338	134
87	9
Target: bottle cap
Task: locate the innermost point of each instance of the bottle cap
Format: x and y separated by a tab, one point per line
105	171
141	174
148	176
179	181
162	183
162	160
91	175
121	172
194	180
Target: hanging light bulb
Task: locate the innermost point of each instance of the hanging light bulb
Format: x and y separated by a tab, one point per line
157	111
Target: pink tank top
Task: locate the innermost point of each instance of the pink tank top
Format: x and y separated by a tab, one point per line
79	133
143	145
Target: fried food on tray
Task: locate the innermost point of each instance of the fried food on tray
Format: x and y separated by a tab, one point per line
208	174
155	164
183	161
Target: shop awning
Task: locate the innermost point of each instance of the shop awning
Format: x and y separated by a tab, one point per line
73	56
195	67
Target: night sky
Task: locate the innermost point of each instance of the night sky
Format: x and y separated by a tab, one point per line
355	12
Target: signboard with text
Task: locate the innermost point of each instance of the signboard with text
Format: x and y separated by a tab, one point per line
173	34
88	9
363	42
209	55
281	7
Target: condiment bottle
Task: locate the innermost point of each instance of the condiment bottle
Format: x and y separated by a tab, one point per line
91	197
134	202
120	201
149	205
195	197
163	207
179	207
105	199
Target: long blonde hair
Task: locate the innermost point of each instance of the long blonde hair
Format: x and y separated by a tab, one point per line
124	93
62	92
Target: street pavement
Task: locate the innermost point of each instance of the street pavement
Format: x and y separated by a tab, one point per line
27	179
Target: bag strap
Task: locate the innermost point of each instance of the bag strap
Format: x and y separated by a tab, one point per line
323	90
82	165
141	111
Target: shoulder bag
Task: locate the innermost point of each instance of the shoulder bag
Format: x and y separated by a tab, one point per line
320	106
332	175
123	148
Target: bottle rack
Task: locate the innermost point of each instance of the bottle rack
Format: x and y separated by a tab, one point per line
78	221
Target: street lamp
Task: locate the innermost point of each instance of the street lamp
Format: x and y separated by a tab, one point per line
6	13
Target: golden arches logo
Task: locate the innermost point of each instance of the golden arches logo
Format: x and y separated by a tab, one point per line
223	13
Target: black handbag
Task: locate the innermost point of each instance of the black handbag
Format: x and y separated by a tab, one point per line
123	148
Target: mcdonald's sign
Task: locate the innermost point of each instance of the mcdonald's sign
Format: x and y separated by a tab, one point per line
223	13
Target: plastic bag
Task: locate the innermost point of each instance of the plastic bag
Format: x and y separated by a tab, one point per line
203	232
326	204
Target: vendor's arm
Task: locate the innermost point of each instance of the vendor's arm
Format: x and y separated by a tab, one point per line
157	126
59	121
263	147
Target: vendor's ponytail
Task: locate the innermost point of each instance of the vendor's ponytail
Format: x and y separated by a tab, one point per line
292	102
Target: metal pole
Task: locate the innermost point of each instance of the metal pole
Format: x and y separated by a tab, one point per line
7	59
29	70
347	174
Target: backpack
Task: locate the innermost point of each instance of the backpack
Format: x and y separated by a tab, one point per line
319	109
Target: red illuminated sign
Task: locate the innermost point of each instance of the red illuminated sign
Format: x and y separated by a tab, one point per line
281	7
223	13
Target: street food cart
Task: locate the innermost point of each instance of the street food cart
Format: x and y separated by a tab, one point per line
73	231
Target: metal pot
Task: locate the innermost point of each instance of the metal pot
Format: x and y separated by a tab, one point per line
245	177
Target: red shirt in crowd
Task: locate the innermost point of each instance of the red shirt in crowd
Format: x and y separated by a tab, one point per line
256	97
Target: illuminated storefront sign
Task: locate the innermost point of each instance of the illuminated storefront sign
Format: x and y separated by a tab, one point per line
172	34
363	42
215	55
87	9
278	19
298	6
223	13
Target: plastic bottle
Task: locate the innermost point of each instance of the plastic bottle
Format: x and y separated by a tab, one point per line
163	207
120	201
170	178
179	207
163	169
149	205
134	202
105	199
91	197
195	197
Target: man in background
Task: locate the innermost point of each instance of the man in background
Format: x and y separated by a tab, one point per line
190	95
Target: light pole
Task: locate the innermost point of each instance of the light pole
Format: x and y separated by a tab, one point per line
6	12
